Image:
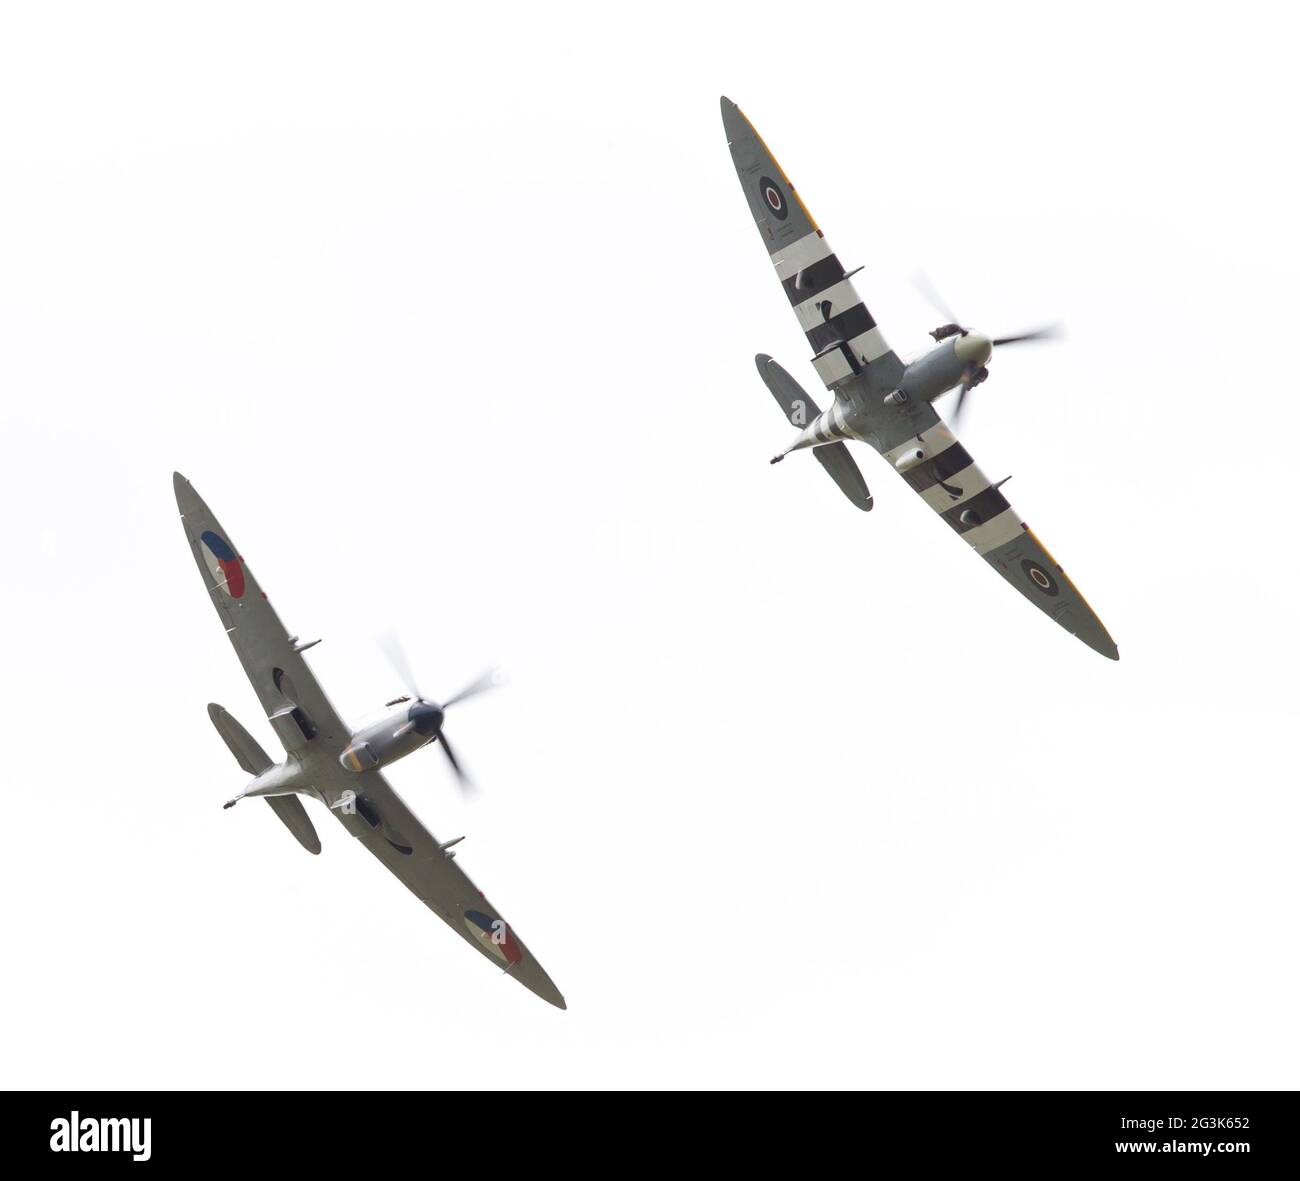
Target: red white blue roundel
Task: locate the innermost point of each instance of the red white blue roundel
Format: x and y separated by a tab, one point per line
773	197
495	935
225	565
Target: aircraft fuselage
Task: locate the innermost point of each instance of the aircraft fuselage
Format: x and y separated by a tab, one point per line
880	416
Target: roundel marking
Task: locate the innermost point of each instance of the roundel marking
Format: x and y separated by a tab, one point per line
1042	581
773	198
224	564
495	935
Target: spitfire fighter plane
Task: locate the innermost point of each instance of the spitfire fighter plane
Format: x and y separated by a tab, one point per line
880	400
326	761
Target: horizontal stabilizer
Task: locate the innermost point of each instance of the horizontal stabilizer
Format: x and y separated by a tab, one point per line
795	404
251	757
800	409
841	468
290	810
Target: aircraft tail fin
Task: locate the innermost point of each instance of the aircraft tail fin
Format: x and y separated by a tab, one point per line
800	409
254	760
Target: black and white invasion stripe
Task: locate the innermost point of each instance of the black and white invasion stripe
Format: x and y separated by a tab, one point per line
951	483
840	330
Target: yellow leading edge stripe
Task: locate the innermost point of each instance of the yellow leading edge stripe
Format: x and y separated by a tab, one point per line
1061	571
789	184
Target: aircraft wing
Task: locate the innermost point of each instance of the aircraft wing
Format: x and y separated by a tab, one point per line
951	483
380	820
294	702
841	332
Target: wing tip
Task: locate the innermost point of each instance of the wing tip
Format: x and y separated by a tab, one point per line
186	498
545	988
1098	639
733	119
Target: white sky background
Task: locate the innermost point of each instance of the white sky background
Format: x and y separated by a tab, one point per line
450	315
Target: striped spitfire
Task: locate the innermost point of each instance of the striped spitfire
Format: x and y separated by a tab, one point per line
883	402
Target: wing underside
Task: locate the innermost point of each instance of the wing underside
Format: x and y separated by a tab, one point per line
381	820
293	700
843	335
952	484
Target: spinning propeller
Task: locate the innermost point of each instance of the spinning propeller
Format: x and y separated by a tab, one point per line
426	714
973	347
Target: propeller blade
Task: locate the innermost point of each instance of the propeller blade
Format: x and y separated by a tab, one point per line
931	295
392	648
1050	332
961	396
466	786
487	681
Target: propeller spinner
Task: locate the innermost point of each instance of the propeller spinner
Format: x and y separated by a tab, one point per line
973	348
426	716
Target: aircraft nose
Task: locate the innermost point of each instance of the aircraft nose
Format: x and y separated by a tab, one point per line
427	718
974	348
